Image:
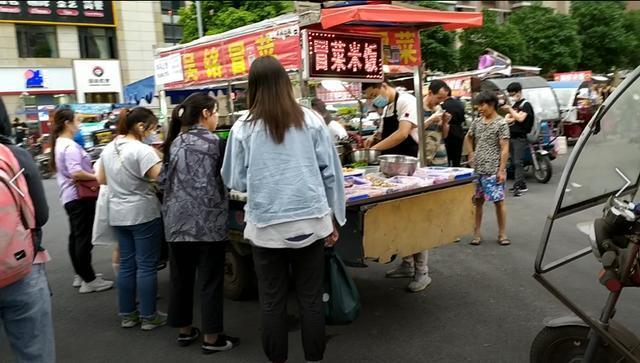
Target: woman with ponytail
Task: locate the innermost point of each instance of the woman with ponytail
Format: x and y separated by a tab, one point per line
72	165
128	165
195	210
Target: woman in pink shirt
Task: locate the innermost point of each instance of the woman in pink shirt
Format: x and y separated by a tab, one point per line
72	164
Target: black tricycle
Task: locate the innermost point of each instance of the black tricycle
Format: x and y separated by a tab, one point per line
606	156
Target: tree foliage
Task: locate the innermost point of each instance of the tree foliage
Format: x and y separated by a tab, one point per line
437	45
632	30
601	28
220	16
504	38
552	39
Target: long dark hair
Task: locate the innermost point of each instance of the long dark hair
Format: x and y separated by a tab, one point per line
270	98
187	113
128	119
60	118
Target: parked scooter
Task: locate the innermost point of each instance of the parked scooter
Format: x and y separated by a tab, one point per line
44	160
538	157
605	152
615	241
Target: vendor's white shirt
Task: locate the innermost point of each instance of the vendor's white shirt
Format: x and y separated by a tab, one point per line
406	112
280	235
337	131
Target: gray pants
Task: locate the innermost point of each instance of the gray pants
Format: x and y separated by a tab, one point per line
517	151
418	261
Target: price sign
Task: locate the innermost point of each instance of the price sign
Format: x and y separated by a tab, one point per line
354	57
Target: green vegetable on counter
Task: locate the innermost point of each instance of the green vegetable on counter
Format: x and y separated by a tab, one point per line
361	164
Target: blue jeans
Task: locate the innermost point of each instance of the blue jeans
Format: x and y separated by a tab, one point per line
25	310
139	255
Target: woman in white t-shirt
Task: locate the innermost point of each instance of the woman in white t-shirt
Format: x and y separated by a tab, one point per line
128	165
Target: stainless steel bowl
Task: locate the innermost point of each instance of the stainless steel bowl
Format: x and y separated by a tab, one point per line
393	165
365	156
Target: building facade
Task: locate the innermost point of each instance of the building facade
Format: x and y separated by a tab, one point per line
54	52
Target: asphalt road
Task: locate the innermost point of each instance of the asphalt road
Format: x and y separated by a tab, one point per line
483	305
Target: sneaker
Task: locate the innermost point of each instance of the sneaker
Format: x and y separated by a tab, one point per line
514	187
97	285
186	339
130	320
224	343
523	187
518	193
401	271
419	283
77	281
156	321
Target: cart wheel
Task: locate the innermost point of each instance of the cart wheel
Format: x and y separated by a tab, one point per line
238	276
543	174
566	344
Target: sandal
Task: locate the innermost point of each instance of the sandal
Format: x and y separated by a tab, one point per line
504	241
476	241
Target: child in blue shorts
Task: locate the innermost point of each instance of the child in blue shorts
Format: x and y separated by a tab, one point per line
488	142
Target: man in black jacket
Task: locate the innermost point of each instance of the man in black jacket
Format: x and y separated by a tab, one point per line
25	305
455	139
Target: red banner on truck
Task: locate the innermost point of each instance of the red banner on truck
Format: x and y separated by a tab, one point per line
231	58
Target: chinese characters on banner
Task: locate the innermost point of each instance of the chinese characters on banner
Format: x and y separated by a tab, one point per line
584	76
401	47
58	12
231	58
343	56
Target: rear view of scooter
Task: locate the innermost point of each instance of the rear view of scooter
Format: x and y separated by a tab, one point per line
606	154
615	242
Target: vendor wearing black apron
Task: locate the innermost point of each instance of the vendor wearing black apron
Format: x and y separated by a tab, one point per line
399	137
399	123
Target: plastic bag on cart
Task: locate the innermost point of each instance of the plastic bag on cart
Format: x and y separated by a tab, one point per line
103	234
341	297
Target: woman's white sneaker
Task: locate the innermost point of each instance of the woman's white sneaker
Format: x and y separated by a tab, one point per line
97	285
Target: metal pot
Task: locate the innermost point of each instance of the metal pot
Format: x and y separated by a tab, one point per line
393	165
368	156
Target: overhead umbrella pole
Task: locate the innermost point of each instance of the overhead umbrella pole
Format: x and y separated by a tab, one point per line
417	86
164	109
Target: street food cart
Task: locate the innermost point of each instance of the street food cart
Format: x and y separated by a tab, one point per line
383	37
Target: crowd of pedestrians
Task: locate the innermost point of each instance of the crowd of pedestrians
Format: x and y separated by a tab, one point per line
179	194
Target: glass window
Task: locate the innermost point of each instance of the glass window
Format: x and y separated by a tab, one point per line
543	101
172	33
566	96
37	41
97	43
617	145
171	5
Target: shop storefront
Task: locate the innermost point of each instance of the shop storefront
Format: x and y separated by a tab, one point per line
98	81
28	91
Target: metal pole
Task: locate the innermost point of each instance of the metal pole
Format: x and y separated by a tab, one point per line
199	17
173	29
231	106
417	86
164	109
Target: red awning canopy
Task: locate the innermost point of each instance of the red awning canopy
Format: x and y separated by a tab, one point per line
398	16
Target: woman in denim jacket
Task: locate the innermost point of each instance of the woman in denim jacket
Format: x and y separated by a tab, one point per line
283	156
